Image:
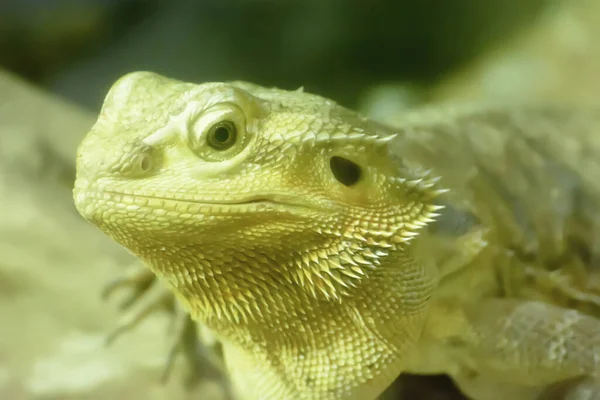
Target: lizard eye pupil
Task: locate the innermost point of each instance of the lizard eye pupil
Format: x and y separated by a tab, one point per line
222	135
345	171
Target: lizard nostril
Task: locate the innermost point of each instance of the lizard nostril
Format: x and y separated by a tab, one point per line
145	163
136	163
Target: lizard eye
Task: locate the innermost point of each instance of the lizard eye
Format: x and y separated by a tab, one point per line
222	135
218	133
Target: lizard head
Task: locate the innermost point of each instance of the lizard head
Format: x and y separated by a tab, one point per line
238	191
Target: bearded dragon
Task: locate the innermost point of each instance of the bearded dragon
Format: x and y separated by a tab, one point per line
329	252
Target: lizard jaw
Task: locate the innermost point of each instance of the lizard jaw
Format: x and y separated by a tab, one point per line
87	201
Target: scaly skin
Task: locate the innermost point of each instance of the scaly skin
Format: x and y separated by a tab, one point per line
303	235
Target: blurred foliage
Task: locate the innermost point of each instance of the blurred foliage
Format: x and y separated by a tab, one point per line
335	47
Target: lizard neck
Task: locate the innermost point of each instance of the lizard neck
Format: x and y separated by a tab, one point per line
290	335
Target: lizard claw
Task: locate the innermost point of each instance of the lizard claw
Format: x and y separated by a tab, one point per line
139	305
148	295
183	339
135	276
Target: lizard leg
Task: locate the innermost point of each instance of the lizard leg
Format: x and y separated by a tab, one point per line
531	345
147	296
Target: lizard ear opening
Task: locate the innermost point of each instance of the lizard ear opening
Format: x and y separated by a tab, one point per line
347	172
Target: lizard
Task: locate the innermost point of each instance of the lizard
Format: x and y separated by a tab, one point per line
329	252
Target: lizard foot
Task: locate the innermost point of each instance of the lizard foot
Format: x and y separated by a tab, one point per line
532	350
148	295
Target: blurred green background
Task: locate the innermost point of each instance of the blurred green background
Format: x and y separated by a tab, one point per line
58	59
338	48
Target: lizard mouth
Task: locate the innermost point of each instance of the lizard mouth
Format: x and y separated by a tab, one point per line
87	201
224	201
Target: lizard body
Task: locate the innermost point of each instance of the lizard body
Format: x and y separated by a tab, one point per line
305	236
